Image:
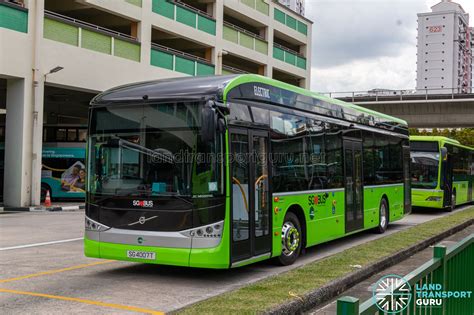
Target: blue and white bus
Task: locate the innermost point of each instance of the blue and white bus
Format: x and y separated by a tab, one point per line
63	172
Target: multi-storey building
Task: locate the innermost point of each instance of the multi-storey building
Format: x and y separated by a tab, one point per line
295	5
444	51
57	54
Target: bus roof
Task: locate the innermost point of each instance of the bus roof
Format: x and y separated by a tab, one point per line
220	87
441	140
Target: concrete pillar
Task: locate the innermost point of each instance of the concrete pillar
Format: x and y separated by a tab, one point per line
144	33
307	83
17	188
38	104
217	54
269	67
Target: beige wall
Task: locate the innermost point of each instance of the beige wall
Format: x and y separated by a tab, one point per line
93	71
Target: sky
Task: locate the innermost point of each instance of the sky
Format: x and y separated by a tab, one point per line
359	45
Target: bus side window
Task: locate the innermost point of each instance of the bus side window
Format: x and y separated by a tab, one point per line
334	157
317	167
289	148
369	171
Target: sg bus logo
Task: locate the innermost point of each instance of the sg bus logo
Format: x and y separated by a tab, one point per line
320	199
143	203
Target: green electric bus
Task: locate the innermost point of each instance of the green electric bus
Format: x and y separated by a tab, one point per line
223	171
442	172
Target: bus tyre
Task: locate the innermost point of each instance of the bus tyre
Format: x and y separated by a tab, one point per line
291	240
453	202
383	217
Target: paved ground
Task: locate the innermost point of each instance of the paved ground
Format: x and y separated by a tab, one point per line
44	271
363	290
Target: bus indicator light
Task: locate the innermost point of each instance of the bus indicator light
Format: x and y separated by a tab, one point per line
276	199
276	210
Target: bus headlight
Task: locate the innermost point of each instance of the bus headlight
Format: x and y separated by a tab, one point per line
213	230
92	225
433	198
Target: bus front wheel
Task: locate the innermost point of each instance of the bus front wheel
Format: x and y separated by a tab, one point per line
290	239
383	216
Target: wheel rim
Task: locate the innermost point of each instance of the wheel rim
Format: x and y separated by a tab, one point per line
383	215
290	238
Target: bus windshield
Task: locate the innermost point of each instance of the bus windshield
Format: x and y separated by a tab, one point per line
152	150
424	169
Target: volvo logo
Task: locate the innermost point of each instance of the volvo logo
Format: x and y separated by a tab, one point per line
142	220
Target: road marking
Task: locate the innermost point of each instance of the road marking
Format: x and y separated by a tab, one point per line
57	271
103	304
42	244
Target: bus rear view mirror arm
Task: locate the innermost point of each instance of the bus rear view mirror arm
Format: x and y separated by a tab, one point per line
208	123
444	154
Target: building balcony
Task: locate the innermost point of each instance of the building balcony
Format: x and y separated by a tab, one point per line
13	17
175	60
231	70
290	21
185	14
244	38
258	5
73	32
289	56
137	3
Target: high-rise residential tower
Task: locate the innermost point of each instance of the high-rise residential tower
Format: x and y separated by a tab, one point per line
295	5
445	50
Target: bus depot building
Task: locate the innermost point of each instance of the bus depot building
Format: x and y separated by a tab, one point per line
56	55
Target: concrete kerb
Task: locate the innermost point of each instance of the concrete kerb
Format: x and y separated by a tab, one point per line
336	287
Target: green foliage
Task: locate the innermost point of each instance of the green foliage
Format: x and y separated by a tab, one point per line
465	135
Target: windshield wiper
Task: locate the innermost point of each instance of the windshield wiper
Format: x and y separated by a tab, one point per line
176	196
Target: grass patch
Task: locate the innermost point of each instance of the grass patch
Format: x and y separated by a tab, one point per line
275	290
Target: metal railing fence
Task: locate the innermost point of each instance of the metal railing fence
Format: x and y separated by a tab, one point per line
89	26
451	268
402	95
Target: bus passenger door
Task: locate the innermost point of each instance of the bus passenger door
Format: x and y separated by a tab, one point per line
353	183
447	179
406	179
250	195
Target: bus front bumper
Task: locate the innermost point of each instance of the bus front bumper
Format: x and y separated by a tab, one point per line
427	198
216	257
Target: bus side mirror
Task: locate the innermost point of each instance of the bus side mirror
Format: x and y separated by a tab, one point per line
208	124
444	154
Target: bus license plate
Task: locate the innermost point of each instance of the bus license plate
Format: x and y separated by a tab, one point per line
141	255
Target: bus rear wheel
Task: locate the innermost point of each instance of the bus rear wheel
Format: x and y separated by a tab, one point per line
290	240
383	217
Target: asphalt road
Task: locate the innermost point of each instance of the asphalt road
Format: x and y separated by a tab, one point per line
44	271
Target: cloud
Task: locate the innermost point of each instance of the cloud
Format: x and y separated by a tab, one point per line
347	31
394	72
